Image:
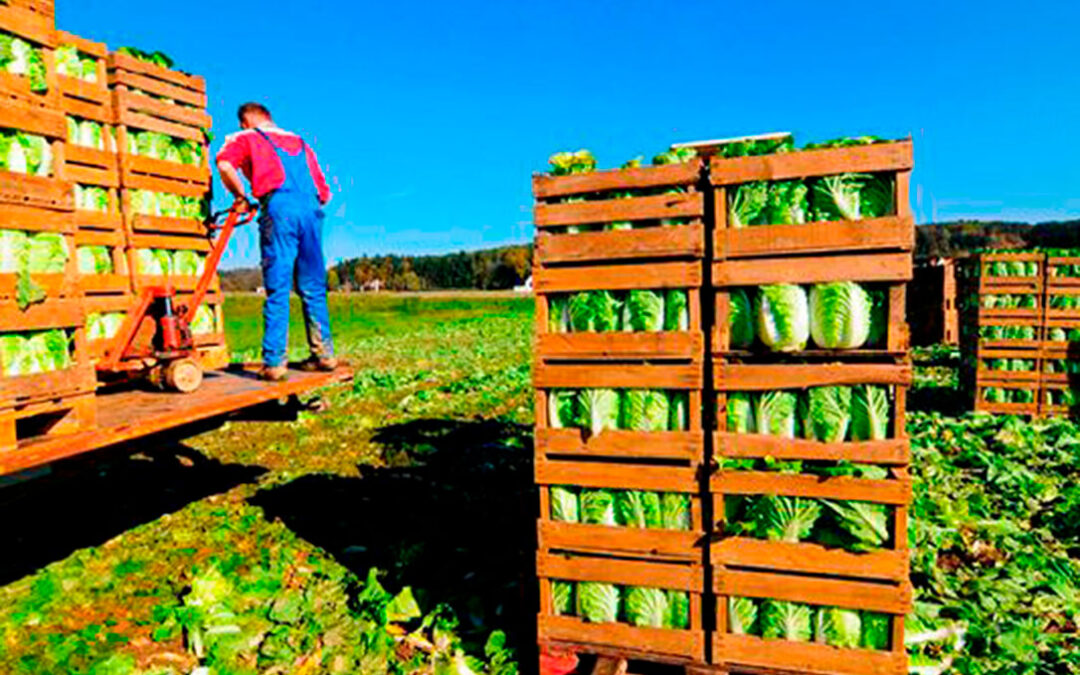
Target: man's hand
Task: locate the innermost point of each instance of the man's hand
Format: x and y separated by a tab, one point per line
241	204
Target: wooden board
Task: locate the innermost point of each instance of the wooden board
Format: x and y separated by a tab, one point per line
809	558
767	377
892	452
130	65
760	655
617	277
546	186
643	376
131	414
879	157
36	191
871	267
675	241
895	491
687	446
771	241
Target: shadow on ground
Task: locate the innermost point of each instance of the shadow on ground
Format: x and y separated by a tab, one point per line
50	513
453	516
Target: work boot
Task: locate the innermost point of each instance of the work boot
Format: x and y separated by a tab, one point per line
314	364
274	373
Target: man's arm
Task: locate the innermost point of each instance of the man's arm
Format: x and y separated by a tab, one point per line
233	183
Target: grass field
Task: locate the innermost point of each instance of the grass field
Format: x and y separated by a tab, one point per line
247	549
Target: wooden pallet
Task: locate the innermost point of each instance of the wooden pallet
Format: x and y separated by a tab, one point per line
185	118
890	233
35	24
23	112
618	345
655	644
646	208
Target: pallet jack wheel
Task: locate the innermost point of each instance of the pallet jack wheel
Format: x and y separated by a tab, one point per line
183	375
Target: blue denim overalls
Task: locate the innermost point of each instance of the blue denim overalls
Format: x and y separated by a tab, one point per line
290	229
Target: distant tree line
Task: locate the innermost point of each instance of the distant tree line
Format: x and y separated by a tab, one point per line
959	239
490	269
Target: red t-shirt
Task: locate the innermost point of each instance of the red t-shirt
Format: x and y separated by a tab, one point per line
249	152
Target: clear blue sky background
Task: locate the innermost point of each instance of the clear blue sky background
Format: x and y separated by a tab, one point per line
430	116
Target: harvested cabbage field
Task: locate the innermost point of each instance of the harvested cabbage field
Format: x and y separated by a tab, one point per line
250	549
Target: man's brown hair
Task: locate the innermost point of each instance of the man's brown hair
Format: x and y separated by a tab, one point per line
253	109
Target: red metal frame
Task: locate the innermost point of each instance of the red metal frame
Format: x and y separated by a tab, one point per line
175	326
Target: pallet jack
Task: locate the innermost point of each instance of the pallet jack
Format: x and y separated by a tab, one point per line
155	342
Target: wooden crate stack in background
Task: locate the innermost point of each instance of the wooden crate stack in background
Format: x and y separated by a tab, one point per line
1002	328
1060	357
55	398
628	237
765	575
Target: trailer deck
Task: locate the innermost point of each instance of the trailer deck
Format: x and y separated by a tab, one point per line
129	414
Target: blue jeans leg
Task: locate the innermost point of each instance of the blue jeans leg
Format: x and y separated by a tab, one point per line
278	241
311	285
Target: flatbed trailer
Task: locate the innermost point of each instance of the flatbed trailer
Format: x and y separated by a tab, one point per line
125	415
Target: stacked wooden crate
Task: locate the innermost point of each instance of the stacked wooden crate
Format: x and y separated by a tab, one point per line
48	393
1003	324
754	574
619	434
149	99
1060	357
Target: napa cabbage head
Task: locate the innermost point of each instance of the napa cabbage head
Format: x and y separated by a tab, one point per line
598	409
645	310
840	315
676	310
645	410
740	413
775	413
783	317
48	253
742	616
786	621
787	519
14	248
838	627
562	409
675	511
637	508
870	413
562	597
597	602
740	319
647	607
827	414
597	507
564	504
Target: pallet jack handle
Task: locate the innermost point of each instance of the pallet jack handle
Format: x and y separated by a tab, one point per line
240	214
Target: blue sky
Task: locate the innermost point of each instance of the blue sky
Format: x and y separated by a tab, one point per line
430	116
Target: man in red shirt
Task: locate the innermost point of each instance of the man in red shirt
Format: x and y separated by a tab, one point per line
286	179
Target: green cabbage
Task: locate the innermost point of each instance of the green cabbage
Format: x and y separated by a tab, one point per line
647	607
741	319
787	519
186	263
740	413
597	507
783	317
786	203
204	322
94	260
48	253
838	627
558	314
148	263
635	508
645	310
562	597
562	409
869	413
675	511
598	409
840	315
564	504
828	414
786	621
865	524
775	413
14	248
597	602
678	610
852	196
679	406
876	631
676	311
742	616
747	204
645	410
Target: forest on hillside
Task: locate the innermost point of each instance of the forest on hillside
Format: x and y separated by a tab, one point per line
489	269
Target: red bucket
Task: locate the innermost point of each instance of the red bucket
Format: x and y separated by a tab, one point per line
557	662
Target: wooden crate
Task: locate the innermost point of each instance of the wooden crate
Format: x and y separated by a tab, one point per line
32	220
89	100
890	233
619	345
98	168
619	639
1007	408
749	653
140	224
170	242
33	22
892	270
16	393
931	300
599	207
652	543
185	117
106	284
23	112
